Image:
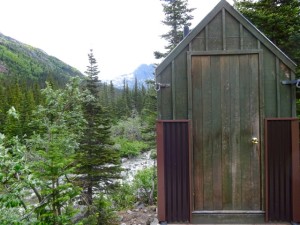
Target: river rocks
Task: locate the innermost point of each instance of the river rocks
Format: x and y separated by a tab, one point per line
132	165
142	216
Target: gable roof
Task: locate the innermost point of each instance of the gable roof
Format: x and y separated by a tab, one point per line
239	17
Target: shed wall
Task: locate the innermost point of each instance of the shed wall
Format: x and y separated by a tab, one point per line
225	33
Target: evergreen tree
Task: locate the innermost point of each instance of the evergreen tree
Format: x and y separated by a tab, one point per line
177	16
99	162
58	127
123	102
149	114
3	106
279	20
112	99
27	107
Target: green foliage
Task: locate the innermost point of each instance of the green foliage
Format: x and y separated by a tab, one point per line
143	189
24	62
145	182
42	166
23	98
149	115
15	179
129	128
102	213
130	148
124	196
128	137
55	133
99	163
58	124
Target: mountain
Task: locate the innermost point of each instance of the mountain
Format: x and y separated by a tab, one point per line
142	73
24	62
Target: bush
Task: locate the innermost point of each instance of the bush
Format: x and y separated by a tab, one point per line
145	183
129	129
129	148
102	213
124	197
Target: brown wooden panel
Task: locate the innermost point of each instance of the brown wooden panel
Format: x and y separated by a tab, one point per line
245	132
207	136
235	119
226	148
197	131
216	131
254	115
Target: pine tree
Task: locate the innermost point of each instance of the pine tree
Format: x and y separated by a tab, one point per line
149	114
177	16
99	162
27	107
112	99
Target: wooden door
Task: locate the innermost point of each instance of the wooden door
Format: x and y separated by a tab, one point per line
225	111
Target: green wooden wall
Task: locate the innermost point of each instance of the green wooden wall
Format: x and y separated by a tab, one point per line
224	33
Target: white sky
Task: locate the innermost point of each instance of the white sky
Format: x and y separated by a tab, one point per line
122	33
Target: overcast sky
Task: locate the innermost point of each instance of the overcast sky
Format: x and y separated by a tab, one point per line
123	34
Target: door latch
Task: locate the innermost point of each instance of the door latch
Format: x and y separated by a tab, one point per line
254	140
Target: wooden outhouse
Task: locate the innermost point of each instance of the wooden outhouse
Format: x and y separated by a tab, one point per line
227	132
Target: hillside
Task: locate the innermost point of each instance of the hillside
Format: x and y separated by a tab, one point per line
26	62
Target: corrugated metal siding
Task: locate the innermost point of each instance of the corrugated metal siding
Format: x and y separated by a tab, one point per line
279	170
175	151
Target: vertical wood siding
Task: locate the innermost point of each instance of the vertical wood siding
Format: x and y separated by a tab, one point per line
225	33
225	118
174	147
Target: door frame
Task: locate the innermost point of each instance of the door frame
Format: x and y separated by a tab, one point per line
259	52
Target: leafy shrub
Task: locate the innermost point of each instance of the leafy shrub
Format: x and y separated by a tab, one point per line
129	148
129	129
102	213
124	197
145	183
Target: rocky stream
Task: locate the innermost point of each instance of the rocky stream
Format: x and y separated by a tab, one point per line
140	214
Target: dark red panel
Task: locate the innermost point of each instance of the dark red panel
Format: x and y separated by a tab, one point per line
173	162
282	144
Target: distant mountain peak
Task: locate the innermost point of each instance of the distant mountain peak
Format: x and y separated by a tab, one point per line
142	73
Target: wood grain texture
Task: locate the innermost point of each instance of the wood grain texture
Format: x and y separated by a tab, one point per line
197	131
228	175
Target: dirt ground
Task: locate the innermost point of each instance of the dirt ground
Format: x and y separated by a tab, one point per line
139	216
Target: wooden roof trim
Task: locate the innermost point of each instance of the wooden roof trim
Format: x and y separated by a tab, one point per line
244	21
